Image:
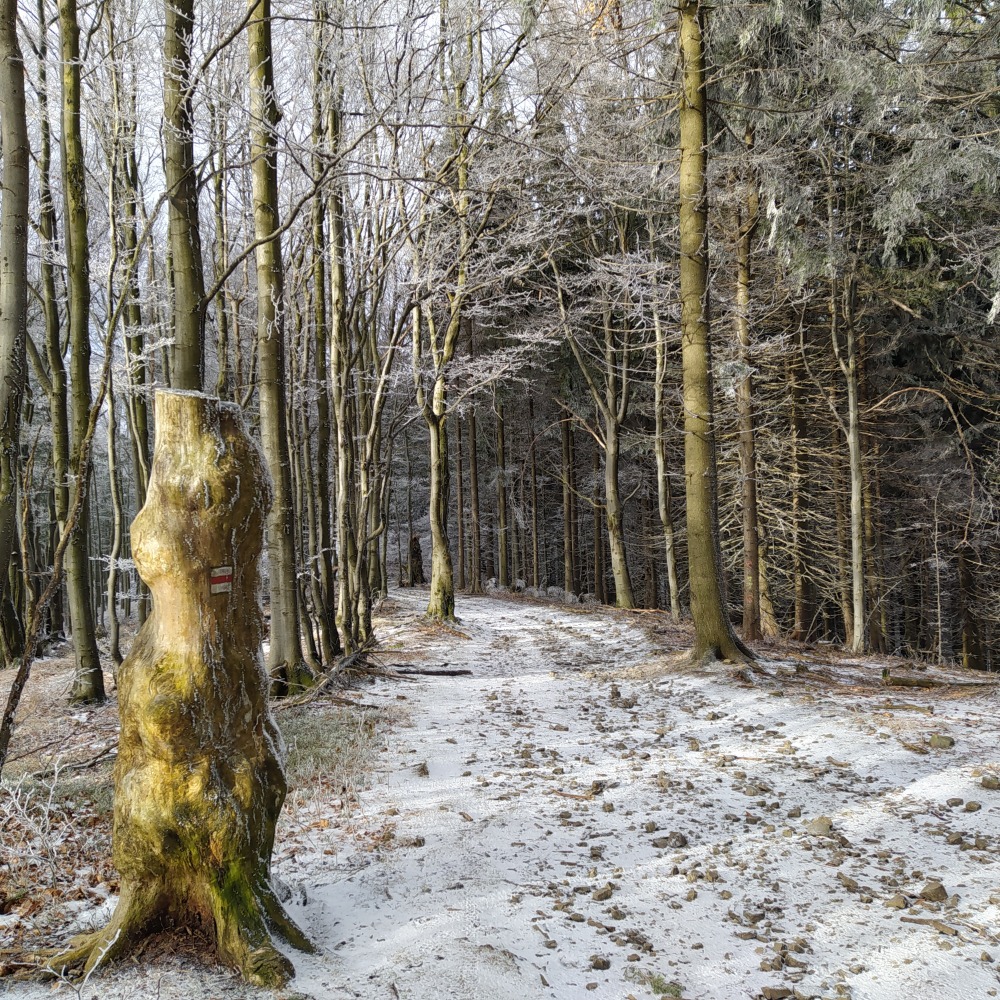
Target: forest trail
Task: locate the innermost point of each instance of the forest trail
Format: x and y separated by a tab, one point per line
562	824
578	818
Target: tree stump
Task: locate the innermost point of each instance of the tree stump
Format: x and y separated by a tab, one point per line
198	780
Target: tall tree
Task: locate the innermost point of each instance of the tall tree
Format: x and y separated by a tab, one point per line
14	228
714	635
88	683
184	235
285	656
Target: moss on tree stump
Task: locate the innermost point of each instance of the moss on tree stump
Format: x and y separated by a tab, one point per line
198	779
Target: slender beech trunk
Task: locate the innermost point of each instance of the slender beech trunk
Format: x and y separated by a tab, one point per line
183	235
351	566
285	656
768	622
410	566
652	596
600	582
442	599
14	229
136	407
614	513
873	570
117	530
460	506
805	611
476	573
88	682
324	578
534	494
55	382
746	219
569	510
844	341
843	541
304	509
714	635
664	498
847	356
433	402
972	644
220	250
503	528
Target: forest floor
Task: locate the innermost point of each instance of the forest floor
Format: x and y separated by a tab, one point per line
579	815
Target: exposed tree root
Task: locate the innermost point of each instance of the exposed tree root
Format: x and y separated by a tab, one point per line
243	923
133	918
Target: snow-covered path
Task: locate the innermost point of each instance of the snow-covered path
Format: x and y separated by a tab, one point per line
558	826
577	819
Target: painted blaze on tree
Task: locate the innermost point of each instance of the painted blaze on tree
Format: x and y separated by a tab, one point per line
198	780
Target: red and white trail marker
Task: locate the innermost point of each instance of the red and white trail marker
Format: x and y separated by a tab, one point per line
221	579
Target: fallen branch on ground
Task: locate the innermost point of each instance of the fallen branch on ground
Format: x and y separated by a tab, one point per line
403	668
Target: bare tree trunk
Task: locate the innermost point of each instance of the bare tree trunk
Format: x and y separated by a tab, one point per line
55	381
972	644
805	611
503	542
14	229
88	682
285	656
664	498
136	407
652	599
714	635
569	510
746	227
324	578
600	576
117	531
476	574
460	506
442	600
184	236
857	637
843	541
410	578
534	494
624	597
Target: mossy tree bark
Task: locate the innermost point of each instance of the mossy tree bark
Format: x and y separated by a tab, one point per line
714	635
198	779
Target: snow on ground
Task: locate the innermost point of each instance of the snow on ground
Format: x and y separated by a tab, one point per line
580	818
